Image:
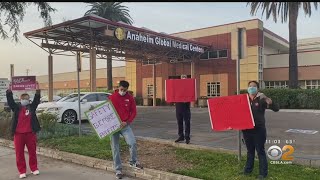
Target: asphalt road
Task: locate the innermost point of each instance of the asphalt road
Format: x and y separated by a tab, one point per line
160	122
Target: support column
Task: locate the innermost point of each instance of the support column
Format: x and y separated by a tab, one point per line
192	104
50	78
93	69
154	85
109	73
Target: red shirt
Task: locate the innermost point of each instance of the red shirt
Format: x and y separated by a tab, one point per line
124	105
24	121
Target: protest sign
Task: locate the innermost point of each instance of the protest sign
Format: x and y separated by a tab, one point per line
22	83
230	112
104	119
4	85
180	90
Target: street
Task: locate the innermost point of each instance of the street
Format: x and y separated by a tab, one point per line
160	122
50	169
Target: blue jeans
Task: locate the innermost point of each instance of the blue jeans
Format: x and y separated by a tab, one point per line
128	135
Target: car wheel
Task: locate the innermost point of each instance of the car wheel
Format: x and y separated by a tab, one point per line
69	117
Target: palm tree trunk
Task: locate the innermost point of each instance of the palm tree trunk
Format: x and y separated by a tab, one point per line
293	59
109	73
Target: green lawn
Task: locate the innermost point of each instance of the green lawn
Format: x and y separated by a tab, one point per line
206	164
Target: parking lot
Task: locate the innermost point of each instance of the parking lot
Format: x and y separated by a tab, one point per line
160	122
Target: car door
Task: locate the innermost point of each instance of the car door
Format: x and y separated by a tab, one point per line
102	97
92	101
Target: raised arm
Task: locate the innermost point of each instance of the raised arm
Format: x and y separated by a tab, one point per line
12	104
36	99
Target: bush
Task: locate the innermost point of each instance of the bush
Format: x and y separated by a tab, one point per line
50	128
293	98
5	125
139	101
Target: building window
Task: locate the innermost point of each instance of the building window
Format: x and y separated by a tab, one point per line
213	89
150	90
312	84
149	62
216	54
260	67
276	84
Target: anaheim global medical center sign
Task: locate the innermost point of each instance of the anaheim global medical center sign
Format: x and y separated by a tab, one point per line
134	36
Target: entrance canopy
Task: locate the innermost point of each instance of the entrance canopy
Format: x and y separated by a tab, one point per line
114	39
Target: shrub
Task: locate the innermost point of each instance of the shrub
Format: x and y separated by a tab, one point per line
294	98
5	125
50	128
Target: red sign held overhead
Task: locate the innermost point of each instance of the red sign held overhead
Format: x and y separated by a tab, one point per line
230	112
22	83
180	90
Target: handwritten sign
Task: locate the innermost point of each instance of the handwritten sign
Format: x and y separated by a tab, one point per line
22	83
104	119
4	85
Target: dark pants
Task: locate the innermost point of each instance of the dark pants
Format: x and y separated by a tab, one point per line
255	140
184	117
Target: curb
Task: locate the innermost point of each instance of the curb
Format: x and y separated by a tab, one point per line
101	164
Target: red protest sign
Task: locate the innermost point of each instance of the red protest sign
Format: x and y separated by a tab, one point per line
230	112
21	83
180	90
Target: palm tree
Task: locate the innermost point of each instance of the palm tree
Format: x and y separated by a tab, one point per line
113	11
14	13
285	9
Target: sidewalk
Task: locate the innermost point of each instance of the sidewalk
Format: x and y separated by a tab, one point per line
50	169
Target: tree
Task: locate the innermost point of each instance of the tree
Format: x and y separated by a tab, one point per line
112	11
286	10
14	13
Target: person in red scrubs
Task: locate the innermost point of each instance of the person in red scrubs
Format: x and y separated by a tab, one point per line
24	127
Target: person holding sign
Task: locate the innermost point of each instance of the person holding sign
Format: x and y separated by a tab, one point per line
125	106
255	138
24	127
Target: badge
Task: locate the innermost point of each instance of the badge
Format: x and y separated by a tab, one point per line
256	104
27	112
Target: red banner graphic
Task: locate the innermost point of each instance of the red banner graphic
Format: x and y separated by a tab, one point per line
230	112
180	90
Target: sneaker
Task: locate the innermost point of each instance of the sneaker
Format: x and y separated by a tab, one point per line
119	175
22	176
187	141
179	139
136	165
36	172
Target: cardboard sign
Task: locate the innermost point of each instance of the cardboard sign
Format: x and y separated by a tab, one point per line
230	112
180	90
4	85
22	83
104	119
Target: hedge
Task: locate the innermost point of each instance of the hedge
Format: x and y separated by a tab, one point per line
293	98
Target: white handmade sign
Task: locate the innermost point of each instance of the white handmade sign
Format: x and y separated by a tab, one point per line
104	119
4	85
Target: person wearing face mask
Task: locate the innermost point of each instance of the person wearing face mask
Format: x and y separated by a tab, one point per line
255	138
24	127
125	106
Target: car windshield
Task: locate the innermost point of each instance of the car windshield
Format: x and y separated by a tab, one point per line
71	98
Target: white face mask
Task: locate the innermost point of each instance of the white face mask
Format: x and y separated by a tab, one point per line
24	102
122	93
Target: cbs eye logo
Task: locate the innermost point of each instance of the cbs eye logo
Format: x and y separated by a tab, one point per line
276	153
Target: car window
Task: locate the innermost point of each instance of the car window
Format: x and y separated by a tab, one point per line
102	97
71	98
91	98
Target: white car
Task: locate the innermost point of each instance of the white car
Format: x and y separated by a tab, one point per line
67	107
45	99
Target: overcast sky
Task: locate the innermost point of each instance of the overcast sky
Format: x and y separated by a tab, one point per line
160	17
